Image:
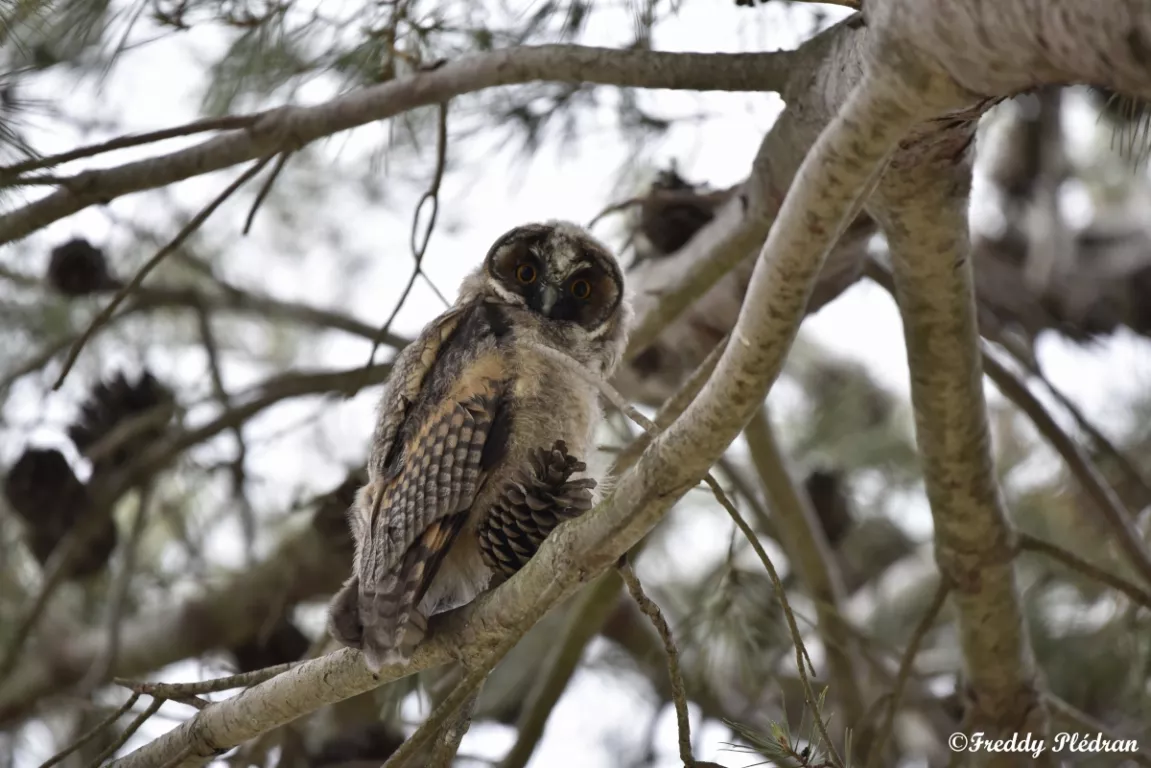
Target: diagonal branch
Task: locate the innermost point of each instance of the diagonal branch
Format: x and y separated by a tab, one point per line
1119	518
289	128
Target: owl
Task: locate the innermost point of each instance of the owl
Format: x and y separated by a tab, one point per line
482	438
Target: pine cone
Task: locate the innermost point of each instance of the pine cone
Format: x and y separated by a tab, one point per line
113	403
44	491
77	268
539	498
285	643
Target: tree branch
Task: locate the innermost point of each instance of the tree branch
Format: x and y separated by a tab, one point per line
923	210
289	128
1119	518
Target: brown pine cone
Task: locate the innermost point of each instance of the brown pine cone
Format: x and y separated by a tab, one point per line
78	268
113	403
44	491
540	498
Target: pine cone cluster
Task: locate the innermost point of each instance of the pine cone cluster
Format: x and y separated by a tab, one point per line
44	491
78	268
146	403
541	497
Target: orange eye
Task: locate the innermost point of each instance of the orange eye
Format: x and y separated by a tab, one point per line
581	289
526	274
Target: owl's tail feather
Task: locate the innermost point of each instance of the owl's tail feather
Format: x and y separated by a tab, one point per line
392	625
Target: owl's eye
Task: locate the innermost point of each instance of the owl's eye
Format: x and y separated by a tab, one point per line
526	274
581	289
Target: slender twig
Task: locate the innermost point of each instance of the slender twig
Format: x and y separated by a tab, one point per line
1030	543
875	757
228	122
678	690
441	715
615	208
238	472
801	654
744	490
179	690
119	593
127	733
266	188
1117	516
106	313
93	733
1102	443
420	247
195	702
802	537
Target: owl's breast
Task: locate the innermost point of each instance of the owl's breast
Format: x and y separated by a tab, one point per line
551	402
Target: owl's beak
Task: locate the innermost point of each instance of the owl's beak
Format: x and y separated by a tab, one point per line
549	295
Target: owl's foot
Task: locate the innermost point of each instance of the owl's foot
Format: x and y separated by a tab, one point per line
540	497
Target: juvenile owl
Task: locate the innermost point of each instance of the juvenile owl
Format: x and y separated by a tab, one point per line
481	439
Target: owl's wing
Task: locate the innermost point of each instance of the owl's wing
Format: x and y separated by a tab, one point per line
413	508
408	373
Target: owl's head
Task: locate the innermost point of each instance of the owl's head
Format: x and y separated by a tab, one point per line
559	271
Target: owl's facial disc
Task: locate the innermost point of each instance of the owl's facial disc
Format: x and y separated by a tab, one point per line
557	271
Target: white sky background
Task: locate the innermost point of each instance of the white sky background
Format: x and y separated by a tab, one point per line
158	86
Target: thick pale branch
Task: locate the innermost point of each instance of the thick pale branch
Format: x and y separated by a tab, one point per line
923	211
289	128
1004	48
